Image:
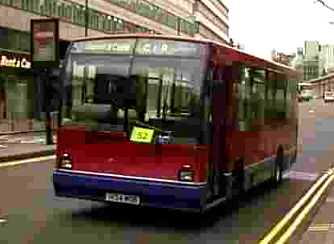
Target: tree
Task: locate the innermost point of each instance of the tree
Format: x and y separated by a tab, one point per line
325	4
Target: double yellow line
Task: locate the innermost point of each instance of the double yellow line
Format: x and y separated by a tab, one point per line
282	231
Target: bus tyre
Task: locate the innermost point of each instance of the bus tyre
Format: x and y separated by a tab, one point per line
278	168
238	180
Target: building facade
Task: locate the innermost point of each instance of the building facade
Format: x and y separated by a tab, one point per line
298	61
312	68
326	58
318	59
282	58
311	50
201	18
196	18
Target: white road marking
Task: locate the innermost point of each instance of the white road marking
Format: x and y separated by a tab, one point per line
3	221
321	227
330	199
299	175
27	161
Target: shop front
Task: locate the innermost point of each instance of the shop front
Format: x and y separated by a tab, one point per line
17	98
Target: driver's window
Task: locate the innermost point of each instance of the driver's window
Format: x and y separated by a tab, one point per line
89	83
77	83
155	88
172	96
169	93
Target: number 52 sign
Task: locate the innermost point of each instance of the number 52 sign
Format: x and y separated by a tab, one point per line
141	135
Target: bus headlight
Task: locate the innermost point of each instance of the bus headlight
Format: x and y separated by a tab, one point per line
65	161
186	173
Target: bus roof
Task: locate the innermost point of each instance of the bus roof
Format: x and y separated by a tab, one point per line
234	53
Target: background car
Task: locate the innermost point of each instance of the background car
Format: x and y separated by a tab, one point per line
329	96
305	95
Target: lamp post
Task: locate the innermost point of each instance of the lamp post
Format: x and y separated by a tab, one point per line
86	18
178	26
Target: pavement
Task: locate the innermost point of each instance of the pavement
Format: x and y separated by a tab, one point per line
17	146
321	228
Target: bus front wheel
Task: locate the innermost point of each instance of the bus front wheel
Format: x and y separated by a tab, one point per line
238	180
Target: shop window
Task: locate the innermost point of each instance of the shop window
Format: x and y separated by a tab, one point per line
68	11
24	4
35	7
76	14
172	21
24	41
100	22
3	37
42	9
119	24
96	21
53	8
47	8
79	15
108	23
164	18
61	10
91	20
8	2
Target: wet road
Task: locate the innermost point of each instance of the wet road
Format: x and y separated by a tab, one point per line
34	215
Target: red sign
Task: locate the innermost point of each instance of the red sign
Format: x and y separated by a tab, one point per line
45	42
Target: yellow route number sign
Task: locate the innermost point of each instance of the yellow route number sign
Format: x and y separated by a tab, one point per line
141	135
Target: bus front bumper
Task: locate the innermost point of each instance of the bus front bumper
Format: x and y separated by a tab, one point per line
151	193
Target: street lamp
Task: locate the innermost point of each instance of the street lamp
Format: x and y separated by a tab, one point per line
178	25
86	18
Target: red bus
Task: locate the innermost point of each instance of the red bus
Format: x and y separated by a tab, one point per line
171	122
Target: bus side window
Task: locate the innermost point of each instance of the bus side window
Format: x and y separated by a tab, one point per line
290	99
257	97
281	98
270	95
242	97
250	96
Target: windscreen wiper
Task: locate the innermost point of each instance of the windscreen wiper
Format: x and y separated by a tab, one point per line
165	105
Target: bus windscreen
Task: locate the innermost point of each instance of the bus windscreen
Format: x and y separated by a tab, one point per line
109	91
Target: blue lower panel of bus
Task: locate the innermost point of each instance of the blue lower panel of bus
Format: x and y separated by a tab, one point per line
152	194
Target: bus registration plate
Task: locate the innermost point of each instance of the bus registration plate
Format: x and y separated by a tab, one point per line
122	198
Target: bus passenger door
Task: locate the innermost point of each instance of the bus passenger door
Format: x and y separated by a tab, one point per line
223	117
218	136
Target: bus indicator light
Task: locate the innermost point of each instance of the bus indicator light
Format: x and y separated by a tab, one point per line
65	161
